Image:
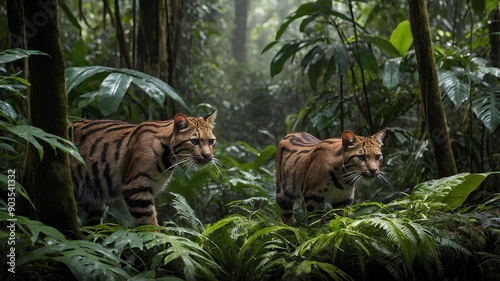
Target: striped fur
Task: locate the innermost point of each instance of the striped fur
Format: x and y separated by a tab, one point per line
324	171
135	162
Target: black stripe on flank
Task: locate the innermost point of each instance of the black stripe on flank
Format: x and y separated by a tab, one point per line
141	203
84	135
140	189
335	180
139	175
119	128
165	158
92	123
143	128
96	182
107	178
104	152
137	215
118	145
94	145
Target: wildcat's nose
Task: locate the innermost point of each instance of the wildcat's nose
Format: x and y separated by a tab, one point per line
206	156
372	171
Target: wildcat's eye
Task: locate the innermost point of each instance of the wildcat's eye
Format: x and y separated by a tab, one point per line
195	141
361	157
378	157
211	141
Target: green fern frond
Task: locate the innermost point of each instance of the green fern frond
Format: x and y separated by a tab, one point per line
186	213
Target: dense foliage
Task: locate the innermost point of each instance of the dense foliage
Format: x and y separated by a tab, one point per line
321	67
425	235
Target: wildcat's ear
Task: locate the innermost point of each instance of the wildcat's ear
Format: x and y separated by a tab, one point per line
379	137
348	139
210	118
181	122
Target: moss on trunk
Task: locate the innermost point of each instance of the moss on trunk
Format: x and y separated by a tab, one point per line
48	180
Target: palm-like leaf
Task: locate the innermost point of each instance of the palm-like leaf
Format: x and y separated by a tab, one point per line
33	134
451	191
486	106
117	82
454	86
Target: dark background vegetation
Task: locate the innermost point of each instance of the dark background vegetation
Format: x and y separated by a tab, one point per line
269	68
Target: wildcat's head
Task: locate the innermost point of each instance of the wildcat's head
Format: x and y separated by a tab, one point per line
193	141
363	156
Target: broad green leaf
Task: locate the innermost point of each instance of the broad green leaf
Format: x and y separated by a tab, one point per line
270	45
157	89
401	37
7	110
288	50
11	55
382	43
303	10
264	156
316	67
76	75
324	4
367	59
483	70
164	88
451	190
112	91
478	6
391	74
454	87
342	59
306	61
331	68
487	108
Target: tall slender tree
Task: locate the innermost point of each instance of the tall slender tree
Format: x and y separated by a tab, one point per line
48	180
240	30
430	92
158	38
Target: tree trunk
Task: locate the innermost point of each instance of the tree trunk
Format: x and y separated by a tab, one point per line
240	30
435	117
158	39
48	180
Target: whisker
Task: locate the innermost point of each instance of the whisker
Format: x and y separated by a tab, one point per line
382	176
178	163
